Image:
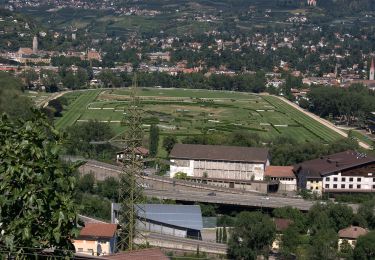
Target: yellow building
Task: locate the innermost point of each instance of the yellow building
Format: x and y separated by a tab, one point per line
96	239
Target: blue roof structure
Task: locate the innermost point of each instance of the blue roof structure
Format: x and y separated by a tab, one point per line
185	216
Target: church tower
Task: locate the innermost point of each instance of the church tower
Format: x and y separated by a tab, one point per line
372	70
35	44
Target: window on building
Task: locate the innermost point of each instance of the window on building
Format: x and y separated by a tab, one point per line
359	179
327	186
373	179
311	187
80	249
335	186
343	179
335	179
350	186
91	251
373	186
327	178
317	188
351	179
358	186
342	186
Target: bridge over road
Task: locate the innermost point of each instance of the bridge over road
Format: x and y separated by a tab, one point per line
249	200
166	188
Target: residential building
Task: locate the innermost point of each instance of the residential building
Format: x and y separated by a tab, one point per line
351	234
219	162
139	151
284	175
97	239
347	171
372	70
175	220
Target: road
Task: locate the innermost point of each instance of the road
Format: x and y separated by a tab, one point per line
250	200
323	122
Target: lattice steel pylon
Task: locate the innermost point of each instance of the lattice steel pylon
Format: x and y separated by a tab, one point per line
131	191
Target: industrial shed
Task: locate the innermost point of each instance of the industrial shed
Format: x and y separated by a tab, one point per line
175	220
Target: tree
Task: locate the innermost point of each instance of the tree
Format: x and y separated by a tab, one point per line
109	188
86	183
169	142
154	140
251	235
324	244
299	218
37	210
225	240
290	240
365	247
81	137
217	235
11	100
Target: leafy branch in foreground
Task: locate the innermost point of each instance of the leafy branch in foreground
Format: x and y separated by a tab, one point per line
37	210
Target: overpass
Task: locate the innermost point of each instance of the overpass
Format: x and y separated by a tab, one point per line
180	190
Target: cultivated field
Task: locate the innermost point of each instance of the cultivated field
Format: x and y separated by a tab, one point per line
183	112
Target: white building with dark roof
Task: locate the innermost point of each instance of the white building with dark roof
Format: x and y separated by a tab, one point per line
219	162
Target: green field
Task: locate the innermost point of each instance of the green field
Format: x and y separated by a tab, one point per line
186	112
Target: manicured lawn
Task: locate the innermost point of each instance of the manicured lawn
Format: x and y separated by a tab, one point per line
77	107
189	112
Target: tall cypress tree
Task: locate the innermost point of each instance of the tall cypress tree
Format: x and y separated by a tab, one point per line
154	140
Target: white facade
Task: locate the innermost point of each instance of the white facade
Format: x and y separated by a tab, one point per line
355	183
219	169
286	183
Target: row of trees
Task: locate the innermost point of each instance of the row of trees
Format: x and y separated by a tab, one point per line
354	103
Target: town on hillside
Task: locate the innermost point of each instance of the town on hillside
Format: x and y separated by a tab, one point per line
178	129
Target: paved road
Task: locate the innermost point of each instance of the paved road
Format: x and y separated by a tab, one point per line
323	121
251	200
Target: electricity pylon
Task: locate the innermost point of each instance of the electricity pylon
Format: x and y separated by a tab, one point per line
131	191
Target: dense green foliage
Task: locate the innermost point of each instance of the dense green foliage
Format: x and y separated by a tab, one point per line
37	209
11	100
90	139
353	103
365	247
154	140
251	236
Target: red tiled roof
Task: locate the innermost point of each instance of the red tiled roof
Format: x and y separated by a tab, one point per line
280	171
282	223
142	254
98	230
352	232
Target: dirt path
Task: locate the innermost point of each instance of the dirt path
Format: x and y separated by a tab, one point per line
323	121
45	102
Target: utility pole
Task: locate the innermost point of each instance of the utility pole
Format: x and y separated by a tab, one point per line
131	191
